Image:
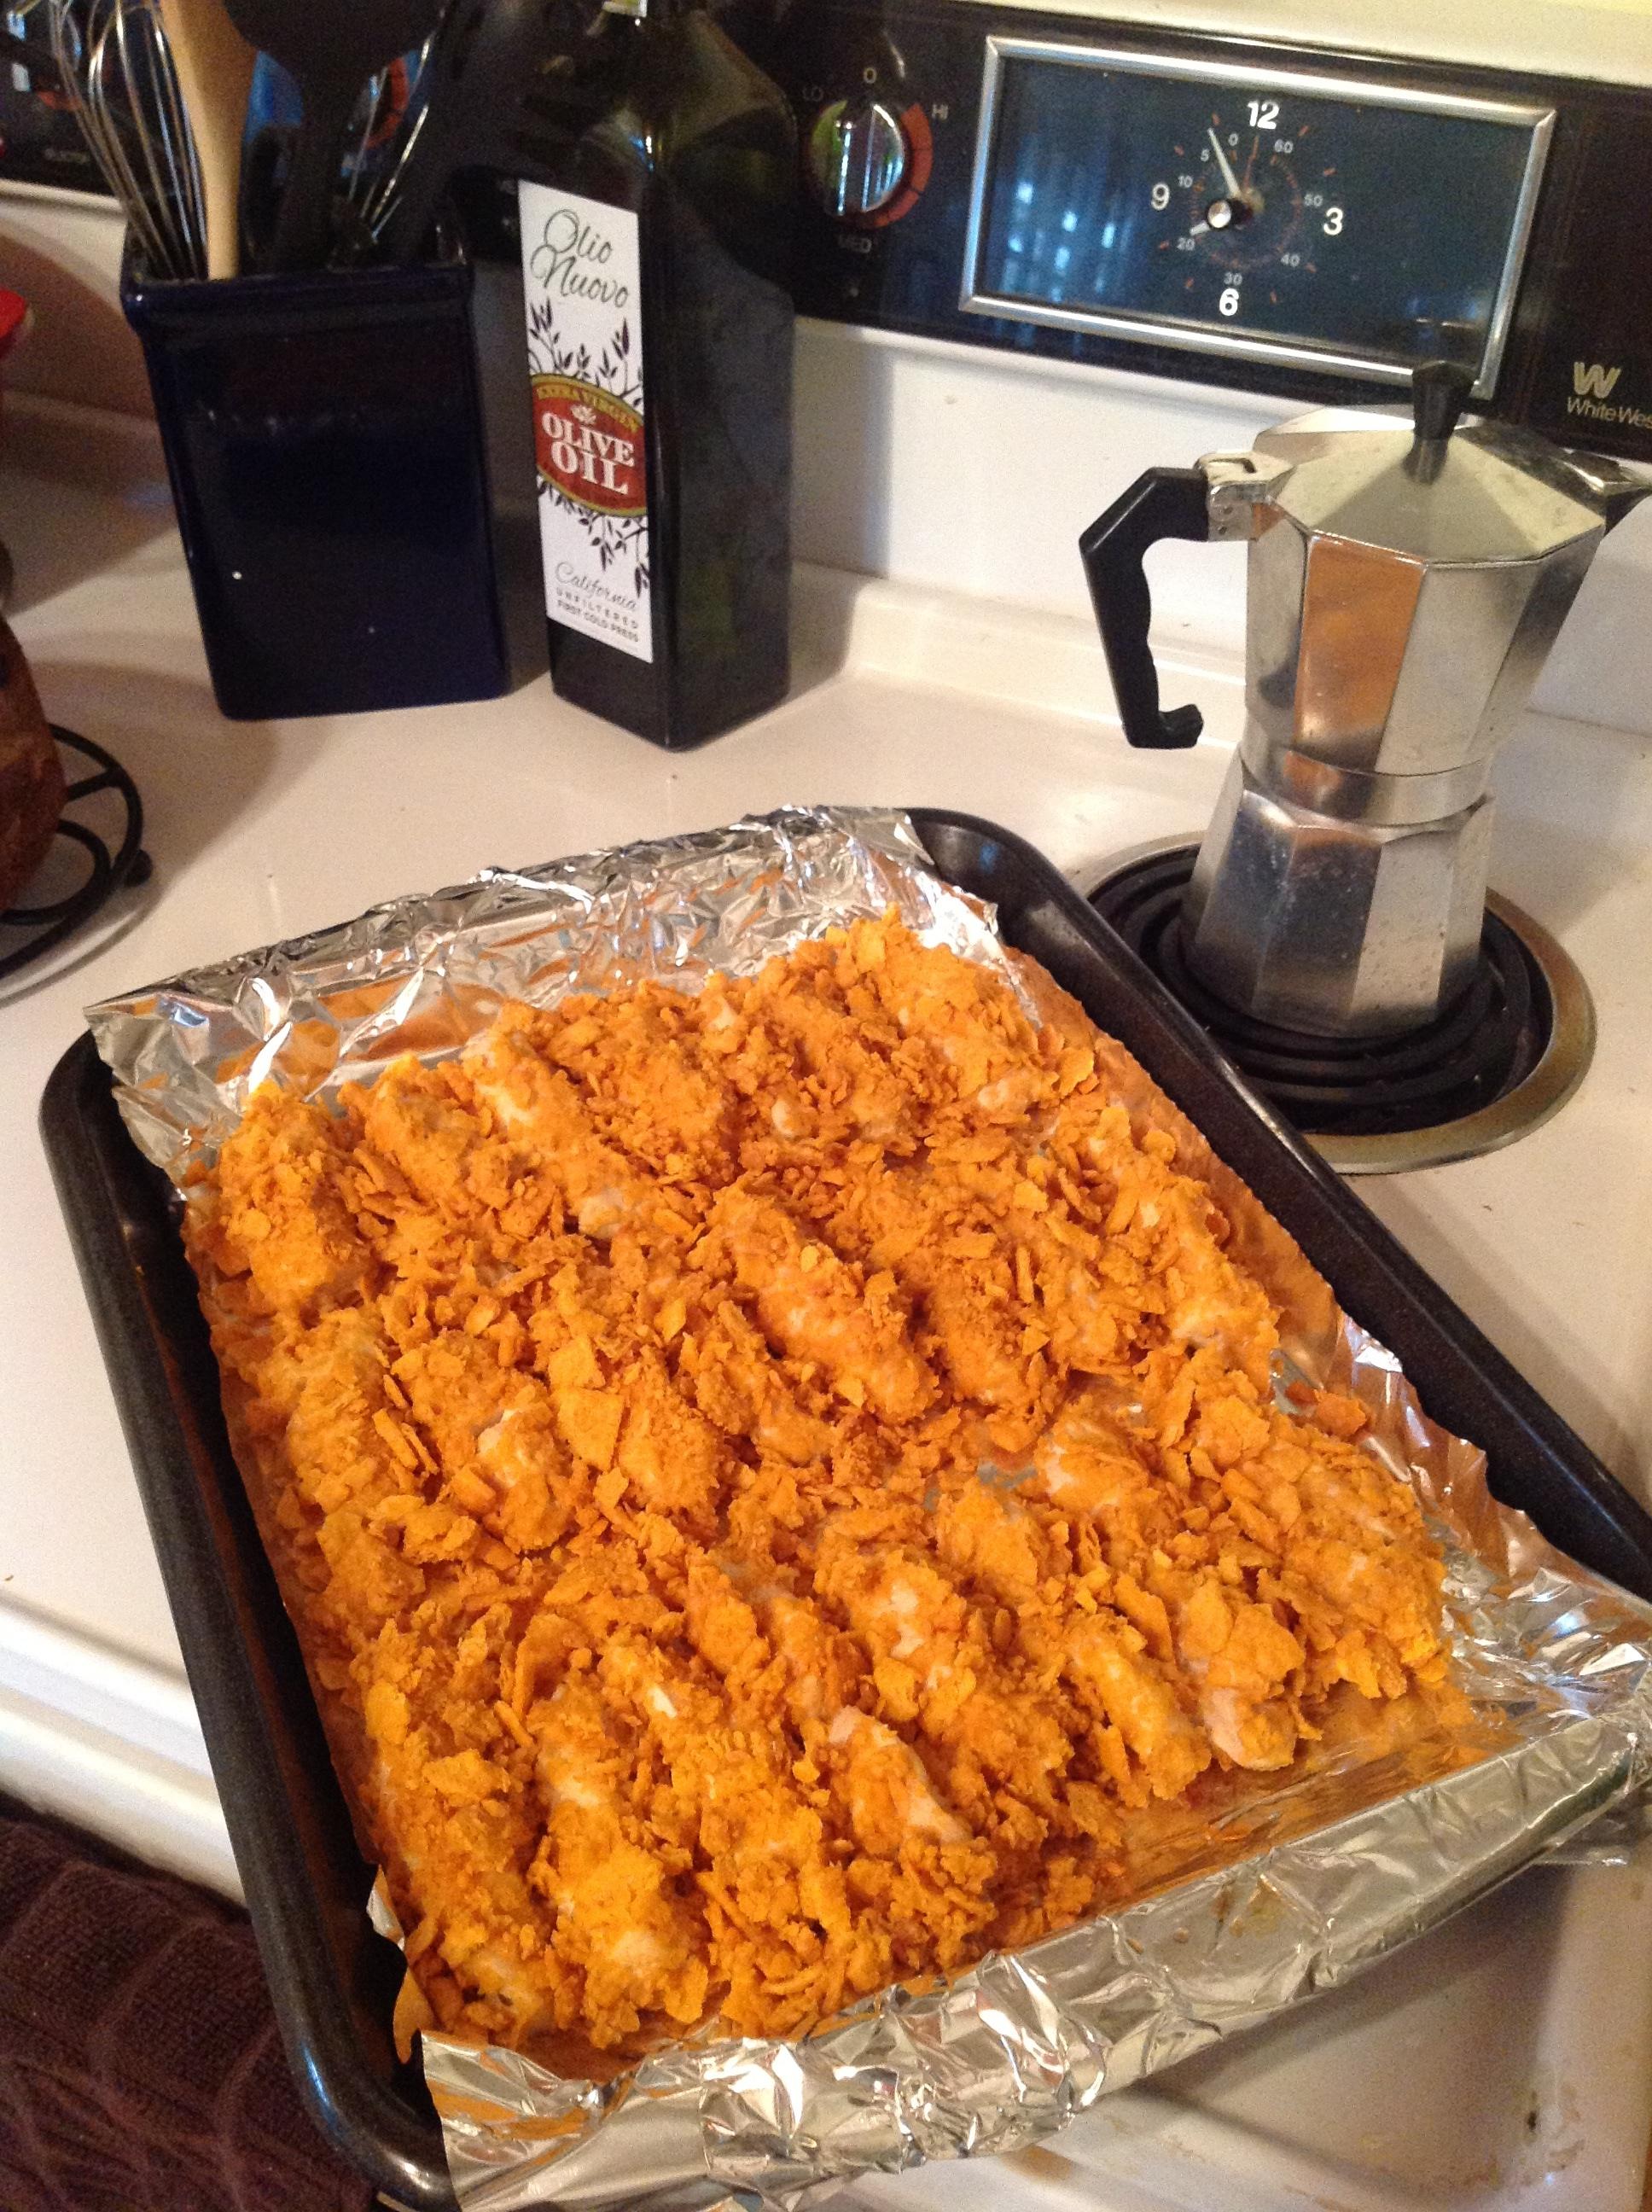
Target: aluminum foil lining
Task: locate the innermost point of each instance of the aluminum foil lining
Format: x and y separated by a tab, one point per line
424	974
1316	1876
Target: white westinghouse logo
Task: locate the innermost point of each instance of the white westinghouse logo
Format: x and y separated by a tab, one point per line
1590	380
1593	383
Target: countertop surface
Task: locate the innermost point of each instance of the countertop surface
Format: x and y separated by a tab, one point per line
260	832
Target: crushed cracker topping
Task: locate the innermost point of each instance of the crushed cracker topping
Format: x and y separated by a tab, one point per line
776	1486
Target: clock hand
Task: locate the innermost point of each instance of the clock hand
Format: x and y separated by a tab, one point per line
1226	168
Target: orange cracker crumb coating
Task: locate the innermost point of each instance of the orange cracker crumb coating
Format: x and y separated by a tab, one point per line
773	1484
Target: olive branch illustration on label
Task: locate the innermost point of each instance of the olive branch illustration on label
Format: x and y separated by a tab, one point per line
612	537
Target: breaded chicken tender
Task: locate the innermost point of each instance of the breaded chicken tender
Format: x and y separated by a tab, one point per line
777	1486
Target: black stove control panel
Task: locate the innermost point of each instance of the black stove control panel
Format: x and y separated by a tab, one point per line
1284	219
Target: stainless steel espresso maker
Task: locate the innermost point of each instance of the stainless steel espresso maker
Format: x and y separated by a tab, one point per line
1405	581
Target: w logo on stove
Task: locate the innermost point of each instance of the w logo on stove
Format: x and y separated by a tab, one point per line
1590	380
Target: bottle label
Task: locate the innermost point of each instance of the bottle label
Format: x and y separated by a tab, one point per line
582	282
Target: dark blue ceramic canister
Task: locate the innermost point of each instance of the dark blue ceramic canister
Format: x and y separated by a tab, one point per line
323	436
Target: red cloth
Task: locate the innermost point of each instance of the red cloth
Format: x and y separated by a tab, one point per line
140	2068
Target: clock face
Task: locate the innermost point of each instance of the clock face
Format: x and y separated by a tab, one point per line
1257	213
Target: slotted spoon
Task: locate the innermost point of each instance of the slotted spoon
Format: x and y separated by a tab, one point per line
329	48
488	56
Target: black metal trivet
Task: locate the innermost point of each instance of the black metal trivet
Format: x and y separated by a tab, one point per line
107	872
1487	1041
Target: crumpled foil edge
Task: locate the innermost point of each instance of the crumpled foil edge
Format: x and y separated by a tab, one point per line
1009	2052
423	972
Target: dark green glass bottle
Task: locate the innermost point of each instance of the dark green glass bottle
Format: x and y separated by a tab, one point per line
655	253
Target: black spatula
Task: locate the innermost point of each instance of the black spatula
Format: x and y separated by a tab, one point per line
488	57
329	48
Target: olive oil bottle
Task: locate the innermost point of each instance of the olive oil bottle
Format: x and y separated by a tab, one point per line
655	260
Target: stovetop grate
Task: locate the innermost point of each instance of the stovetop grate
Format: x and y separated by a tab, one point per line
46	926
1495	1062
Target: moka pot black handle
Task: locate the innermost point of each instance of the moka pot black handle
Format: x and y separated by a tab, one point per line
1162	503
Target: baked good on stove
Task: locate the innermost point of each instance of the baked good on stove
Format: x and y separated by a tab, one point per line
32	789
782	1489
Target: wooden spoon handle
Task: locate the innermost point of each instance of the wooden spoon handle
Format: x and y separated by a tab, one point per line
214	68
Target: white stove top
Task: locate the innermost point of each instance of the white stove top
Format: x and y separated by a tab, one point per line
1504	2060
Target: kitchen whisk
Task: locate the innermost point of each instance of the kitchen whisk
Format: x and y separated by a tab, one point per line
114	62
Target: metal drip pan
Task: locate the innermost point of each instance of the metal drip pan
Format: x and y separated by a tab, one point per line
1497	1063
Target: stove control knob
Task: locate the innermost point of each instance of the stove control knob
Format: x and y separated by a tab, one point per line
857	158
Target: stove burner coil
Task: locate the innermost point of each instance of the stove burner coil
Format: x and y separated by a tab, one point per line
1505	1056
48	924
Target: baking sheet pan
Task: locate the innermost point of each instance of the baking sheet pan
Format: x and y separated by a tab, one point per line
334	1982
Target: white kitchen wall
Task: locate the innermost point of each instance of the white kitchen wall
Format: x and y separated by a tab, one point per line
947	466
